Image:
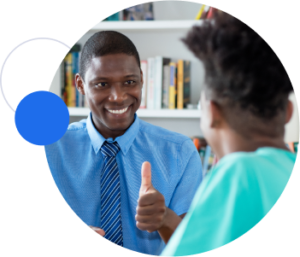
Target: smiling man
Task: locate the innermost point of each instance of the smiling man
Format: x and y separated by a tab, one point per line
97	164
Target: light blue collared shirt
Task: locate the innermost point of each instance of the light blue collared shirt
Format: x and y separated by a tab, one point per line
76	163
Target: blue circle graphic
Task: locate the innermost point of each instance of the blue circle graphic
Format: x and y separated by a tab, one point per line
42	118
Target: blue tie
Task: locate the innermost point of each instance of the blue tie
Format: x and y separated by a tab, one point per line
111	194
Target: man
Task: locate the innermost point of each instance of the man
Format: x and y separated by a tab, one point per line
245	107
97	163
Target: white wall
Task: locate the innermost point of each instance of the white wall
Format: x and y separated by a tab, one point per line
292	128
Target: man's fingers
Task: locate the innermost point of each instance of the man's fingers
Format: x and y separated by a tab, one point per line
146	177
100	231
145	210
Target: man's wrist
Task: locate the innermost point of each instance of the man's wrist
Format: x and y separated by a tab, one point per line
171	221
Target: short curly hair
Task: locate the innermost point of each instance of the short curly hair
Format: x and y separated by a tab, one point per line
241	68
104	43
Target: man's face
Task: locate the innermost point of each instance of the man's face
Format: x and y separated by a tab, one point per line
113	87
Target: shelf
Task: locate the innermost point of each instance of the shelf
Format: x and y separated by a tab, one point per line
145	25
144	113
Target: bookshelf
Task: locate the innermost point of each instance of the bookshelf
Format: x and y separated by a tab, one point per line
152	38
123	26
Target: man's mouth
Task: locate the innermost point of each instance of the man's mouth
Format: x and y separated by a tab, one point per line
118	111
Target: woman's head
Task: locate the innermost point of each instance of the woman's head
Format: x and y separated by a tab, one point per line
245	81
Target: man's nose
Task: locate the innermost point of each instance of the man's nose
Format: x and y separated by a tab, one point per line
117	94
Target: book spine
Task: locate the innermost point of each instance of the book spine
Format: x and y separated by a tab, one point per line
180	85
186	83
68	65
206	160
63	81
210	13
176	85
144	90
150	86
158	82
296	147
172	86
291	147
74	71
166	85
198	17
80	95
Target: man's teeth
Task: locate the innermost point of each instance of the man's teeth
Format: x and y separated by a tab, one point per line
118	111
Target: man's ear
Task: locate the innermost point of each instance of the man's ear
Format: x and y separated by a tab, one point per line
289	111
142	78
79	84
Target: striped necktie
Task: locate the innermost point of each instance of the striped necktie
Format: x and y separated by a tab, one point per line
111	194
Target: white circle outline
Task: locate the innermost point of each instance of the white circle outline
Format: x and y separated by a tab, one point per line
38	38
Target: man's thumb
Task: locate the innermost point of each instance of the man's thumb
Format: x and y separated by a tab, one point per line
146	177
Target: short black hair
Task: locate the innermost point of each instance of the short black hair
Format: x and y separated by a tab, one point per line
241	68
104	43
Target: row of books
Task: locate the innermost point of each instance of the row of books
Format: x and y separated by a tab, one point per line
166	83
134	13
209	159
206	12
70	67
144	11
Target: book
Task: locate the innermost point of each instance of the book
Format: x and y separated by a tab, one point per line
63	81
70	67
158	80
150	82
294	147
210	14
209	160
180	84
199	14
113	17
205	12
186	83
144	66
183	83
68	79
172	89
75	94
176	85
139	12
148	11
200	144
166	85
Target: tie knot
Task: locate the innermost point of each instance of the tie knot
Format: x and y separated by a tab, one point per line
110	149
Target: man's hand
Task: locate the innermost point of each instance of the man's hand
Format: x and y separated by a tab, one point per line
98	230
151	210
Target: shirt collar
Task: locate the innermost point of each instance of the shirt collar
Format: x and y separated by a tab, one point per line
125	141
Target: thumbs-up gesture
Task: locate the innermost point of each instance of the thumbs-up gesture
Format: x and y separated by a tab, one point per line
151	209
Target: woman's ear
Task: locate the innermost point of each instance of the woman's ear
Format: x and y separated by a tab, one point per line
289	111
79	84
216	117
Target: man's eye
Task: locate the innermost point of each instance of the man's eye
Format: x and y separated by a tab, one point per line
129	82
101	84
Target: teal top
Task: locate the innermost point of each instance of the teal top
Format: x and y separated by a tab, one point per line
233	197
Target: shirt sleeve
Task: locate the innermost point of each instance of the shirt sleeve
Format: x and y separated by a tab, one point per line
190	168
